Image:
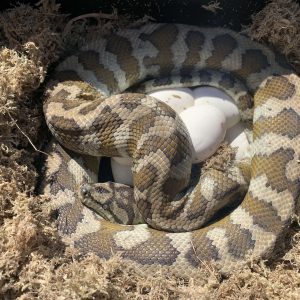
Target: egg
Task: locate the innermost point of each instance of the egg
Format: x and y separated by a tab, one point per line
121	169
206	126
177	98
219	99
237	138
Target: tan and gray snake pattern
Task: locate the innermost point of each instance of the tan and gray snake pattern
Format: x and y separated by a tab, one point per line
88	114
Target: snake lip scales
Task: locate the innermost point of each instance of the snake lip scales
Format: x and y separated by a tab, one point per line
91	112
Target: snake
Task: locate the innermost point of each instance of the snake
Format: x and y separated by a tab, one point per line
96	104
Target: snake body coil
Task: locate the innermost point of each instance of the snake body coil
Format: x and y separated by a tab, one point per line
87	113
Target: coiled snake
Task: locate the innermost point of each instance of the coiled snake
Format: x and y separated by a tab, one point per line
87	114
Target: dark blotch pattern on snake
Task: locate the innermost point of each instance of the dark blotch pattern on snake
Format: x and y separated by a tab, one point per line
87	113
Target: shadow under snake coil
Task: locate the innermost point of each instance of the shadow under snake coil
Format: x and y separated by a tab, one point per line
88	114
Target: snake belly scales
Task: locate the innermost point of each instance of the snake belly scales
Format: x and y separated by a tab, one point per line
91	110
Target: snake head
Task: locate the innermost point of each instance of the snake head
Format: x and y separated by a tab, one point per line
112	201
96	198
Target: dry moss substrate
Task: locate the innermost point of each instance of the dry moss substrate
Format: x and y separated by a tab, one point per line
34	264
278	24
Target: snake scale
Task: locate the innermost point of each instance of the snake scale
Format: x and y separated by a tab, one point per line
92	111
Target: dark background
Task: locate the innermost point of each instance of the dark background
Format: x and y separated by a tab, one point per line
233	14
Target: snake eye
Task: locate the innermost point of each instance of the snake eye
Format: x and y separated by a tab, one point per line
84	190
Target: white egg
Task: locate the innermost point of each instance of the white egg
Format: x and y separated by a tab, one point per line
206	126
237	138
177	98
123	160
121	169
219	99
